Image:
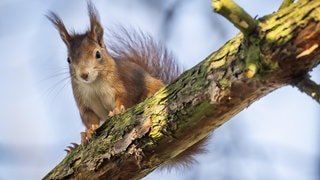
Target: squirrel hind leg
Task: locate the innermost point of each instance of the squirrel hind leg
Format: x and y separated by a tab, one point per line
91	121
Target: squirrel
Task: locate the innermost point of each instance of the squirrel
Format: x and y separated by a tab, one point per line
106	79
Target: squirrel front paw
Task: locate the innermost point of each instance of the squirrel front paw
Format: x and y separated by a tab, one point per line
85	137
117	110
88	134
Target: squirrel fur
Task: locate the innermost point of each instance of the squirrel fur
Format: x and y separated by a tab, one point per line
106	78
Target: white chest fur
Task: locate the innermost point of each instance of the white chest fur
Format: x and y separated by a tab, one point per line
99	97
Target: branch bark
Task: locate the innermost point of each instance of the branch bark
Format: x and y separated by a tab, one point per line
282	49
309	87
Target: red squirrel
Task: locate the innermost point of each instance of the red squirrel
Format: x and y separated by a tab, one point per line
106	79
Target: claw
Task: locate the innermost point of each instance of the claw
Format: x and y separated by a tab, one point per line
71	148
111	113
85	137
122	108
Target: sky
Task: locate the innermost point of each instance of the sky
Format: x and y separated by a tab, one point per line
276	137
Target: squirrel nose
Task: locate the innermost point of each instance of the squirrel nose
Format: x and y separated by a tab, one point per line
84	75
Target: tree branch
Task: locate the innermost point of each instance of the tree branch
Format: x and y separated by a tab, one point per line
236	15
133	144
309	87
285	3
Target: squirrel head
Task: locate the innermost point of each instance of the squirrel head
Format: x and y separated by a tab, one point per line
87	53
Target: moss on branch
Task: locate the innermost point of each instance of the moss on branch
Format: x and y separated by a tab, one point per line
285	3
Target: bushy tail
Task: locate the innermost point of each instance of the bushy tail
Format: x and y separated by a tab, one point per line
142	49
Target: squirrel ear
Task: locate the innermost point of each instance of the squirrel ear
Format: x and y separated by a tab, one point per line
57	22
96	30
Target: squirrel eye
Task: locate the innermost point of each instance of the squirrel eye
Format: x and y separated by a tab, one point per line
98	54
69	60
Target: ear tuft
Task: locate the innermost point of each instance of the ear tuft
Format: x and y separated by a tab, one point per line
58	23
96	30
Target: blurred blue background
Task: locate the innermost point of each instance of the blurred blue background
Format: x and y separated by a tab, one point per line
275	138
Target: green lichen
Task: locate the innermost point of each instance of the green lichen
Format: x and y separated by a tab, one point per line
202	110
158	124
282	32
252	60
224	83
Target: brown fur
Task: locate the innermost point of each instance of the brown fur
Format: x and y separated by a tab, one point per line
102	81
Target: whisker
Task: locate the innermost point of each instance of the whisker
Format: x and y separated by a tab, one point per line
64	81
57	76
67	81
56	73
54	76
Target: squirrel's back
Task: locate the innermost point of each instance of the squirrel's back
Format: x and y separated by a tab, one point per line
140	48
